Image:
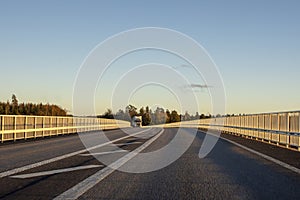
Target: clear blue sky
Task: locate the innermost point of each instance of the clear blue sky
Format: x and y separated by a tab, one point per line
255	44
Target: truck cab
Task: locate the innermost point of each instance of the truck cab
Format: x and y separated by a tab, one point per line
136	121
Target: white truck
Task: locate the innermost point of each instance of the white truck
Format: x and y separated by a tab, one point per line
136	121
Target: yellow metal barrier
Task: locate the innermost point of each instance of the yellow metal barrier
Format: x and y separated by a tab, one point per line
15	127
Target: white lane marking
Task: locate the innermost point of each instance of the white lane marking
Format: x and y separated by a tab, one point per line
285	165
82	187
274	160
44	162
57	171
103	153
127	143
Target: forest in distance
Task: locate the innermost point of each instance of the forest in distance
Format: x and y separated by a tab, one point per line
149	117
16	108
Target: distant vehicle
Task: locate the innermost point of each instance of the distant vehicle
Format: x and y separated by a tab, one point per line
136	121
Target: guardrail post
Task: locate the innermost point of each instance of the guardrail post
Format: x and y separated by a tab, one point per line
298	123
34	127
264	127
298	142
278	126
62	125
43	125
57	125
288	130
50	126
278	122
15	128
25	127
271	127
2	128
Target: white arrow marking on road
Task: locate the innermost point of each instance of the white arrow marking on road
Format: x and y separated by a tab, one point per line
45	173
103	153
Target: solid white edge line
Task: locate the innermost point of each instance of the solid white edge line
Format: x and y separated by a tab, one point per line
269	158
57	171
76	191
44	162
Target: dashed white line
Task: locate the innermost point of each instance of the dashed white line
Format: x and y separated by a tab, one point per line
57	171
82	187
44	162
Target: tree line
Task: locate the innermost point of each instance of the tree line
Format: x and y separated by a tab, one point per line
149	117
16	108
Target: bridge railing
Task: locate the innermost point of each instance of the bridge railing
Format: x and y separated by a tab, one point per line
282	128
15	127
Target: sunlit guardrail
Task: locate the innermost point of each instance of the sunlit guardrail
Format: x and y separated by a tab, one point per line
279	128
15	127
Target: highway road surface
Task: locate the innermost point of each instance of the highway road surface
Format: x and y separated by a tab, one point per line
61	168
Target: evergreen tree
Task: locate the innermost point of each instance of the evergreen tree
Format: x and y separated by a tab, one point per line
168	116
146	117
14	108
7	108
174	116
14	102
131	110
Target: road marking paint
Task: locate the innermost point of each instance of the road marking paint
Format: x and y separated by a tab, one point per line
127	143
283	164
57	171
44	162
274	160
82	187
103	153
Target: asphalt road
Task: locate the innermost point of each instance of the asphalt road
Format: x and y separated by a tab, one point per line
61	168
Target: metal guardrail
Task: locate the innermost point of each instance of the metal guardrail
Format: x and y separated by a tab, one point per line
16	127
279	128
